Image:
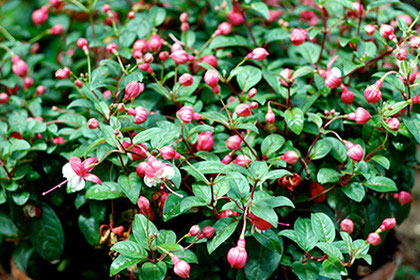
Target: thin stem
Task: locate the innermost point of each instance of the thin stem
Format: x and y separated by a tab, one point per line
7	34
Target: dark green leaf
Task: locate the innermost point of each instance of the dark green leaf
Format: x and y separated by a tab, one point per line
224	229
295	120
323	227
381	184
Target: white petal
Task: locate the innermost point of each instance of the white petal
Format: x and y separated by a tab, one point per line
151	182
68	172
75	184
168	172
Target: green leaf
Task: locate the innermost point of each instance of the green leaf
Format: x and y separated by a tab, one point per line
146	135
109	135
153	271
18	145
338	149
323	227
172	207
271	144
261	263
108	190
7	227
306	271
381	184
331	250
383	161
247	77
142	229
327	175
131	186
320	149
90	229
295	119
46	234
309	51
224	229
302	234
130	249
261	8
413	125
121	263
270	240
354	191
228	41
157	15
276	34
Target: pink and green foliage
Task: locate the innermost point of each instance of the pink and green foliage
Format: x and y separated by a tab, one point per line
221	139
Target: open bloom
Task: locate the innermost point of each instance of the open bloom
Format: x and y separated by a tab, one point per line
77	172
157	171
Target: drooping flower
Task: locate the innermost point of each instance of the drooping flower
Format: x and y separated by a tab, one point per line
237	256
77	171
157	171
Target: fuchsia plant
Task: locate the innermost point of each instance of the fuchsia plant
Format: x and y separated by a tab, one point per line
278	135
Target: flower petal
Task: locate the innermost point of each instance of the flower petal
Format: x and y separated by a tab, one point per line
93	178
68	171
75	184
76	164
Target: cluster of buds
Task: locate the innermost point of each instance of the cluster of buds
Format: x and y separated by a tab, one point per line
374	238
183	18
207	232
354	151
140	114
63	73
40	16
186	114
244	110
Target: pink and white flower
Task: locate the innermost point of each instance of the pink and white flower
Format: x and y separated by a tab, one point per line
77	171
157	171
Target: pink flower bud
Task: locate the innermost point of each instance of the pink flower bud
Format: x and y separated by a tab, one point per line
164	55
4	98
28	82
194	230
78	83
389	223
82	43
155	43
224	28
356	152
286	77
141	115
414	41
393	124
181	268
374	239
209	59
111	48
211	78
144	206
235	18
185	26
112	18
58	141
242	160
131	15
176	47
167	152
205	141
106	8
373	92
361	116
133	89
19	66
370	29
93	123
298	36
234	143
346	96
40	15
243	110
55	3
186	114
186	80
258	54
252	92
291	157
401	54
274	14
40	90
404	197
145	67
183	17
347	225
237	256
56	29
61	74
227	159
197	116
386	31
180	57
148	58
141	45
208	232
216	89
141	169
270	117
357	10
332	76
